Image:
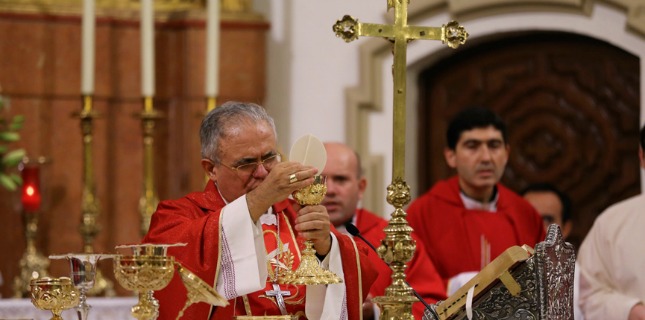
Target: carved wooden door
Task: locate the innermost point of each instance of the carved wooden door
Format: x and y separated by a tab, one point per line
571	104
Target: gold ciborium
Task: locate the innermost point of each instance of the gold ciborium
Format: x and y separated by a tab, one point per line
54	294
147	270
309	271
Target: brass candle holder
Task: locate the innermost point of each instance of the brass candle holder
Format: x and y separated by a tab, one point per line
309	272
33	264
90	206
54	294
149	199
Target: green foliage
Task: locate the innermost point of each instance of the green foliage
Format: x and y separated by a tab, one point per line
9	158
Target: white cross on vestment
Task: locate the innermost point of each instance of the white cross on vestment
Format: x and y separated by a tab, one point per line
279	297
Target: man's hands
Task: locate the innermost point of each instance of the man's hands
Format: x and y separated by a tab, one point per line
277	186
313	224
637	312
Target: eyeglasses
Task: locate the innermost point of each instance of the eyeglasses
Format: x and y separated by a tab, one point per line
249	168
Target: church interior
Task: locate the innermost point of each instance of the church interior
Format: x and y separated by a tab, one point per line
567	76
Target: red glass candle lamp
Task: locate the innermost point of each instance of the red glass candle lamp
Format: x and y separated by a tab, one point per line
31	197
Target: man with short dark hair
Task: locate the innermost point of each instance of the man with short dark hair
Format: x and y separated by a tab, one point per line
552	204
612	260
468	220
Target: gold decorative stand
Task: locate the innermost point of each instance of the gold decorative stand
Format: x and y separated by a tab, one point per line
54	294
149	200
309	271
89	227
32	264
398	246
211	103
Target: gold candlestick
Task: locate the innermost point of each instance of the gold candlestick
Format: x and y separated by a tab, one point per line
211	103
33	264
149	200
309	271
90	227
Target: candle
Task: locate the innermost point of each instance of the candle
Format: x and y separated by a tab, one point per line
147	49
87	40
212	48
31	198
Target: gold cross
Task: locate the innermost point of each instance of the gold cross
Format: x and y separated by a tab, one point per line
400	34
398	246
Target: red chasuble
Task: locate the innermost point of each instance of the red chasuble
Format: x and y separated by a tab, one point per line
459	240
420	274
195	220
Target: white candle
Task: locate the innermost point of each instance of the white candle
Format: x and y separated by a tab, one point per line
147	49
212	48
87	45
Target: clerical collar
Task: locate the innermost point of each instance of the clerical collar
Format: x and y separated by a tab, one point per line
343	229
472	204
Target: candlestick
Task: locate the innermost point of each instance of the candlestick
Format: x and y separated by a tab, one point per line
212	48
88	50
32	263
147	49
31	198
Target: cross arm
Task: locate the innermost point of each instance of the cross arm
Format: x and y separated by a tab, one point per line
452	34
349	29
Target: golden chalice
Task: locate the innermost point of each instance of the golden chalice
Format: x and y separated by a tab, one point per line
54	294
149	269
144	274
309	271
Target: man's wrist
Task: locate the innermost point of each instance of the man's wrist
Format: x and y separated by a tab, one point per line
321	256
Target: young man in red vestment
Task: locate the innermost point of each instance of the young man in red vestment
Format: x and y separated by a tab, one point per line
243	229
345	187
468	220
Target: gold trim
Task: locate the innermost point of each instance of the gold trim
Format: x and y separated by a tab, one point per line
247	304
219	260
360	278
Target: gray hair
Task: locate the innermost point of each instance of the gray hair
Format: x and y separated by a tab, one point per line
220	120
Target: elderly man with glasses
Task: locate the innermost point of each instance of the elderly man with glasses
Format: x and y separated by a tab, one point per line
241	231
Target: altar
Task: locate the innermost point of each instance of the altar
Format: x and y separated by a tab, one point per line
102	309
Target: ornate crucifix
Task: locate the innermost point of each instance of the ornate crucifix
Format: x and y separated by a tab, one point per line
398	246
279	297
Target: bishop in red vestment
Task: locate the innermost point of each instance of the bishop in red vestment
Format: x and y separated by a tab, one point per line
242	232
196	220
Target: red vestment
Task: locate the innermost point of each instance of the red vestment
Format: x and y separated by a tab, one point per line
460	240
196	220
420	273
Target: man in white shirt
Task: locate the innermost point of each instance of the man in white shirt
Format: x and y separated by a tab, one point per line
612	260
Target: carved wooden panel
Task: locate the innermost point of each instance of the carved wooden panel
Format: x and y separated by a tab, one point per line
571	104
